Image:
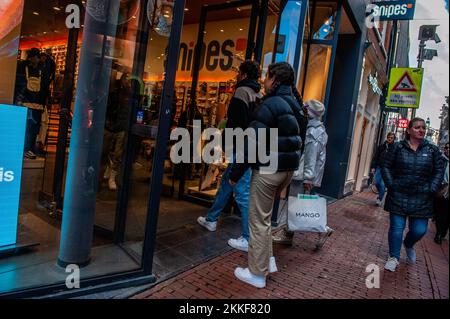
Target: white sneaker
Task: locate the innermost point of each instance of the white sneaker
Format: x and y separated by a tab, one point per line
246	276
379	203
273	265
411	257
391	264
211	226
240	244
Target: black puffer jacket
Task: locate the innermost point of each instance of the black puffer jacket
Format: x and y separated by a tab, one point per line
412	179
279	110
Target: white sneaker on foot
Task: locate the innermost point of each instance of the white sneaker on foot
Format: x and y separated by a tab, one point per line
240	244
211	226
246	276
391	264
273	265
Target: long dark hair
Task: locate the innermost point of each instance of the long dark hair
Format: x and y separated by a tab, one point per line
411	125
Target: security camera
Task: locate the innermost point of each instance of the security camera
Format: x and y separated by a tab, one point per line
437	39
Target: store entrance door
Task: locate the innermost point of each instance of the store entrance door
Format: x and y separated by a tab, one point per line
226	38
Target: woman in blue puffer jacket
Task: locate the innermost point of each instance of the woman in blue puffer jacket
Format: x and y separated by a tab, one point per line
413	172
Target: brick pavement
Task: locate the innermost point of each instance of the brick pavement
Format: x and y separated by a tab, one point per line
338	271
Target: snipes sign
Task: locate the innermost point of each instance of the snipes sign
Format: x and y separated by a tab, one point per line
391	10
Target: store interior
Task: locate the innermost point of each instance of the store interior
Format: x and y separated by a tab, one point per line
187	190
180	242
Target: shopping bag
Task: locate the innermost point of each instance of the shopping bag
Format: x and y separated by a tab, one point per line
307	213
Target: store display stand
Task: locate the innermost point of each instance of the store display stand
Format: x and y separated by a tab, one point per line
7	251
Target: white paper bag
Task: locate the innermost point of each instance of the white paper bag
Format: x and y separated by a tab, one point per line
307	213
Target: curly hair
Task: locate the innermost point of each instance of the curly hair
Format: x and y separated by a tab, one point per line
251	69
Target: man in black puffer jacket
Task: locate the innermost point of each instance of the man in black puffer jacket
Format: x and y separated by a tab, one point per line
281	111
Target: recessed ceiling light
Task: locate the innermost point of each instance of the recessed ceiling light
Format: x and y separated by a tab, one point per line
186	9
56	8
35	13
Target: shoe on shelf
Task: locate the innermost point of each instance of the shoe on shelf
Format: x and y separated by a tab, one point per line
240	244
112	181
107	173
323	237
246	276
391	264
211	226
411	257
30	155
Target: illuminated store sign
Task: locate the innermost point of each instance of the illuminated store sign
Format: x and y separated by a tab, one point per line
12	137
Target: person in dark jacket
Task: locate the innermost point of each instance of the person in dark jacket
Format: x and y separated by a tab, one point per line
441	204
281	111
117	118
240	110
413	172
377	162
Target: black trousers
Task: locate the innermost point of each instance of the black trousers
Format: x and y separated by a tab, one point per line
441	216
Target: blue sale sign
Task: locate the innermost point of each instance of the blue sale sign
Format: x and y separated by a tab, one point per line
12	136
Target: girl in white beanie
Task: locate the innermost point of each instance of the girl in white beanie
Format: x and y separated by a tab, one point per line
312	166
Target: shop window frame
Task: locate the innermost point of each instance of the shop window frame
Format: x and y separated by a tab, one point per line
333	43
143	275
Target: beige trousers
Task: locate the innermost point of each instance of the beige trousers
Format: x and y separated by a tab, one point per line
263	191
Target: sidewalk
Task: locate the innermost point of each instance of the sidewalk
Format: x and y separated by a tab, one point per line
337	272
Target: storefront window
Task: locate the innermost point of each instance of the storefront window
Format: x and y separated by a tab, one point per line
270	35
317	73
112	89
289	32
324	20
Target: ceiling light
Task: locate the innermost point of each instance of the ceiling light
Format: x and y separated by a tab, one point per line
57	8
35	13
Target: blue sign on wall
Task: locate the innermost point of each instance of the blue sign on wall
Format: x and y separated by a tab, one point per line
12	137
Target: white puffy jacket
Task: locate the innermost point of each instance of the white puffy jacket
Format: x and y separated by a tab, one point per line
312	164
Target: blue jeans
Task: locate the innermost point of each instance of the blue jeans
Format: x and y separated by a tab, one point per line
32	131
241	195
418	227
379	183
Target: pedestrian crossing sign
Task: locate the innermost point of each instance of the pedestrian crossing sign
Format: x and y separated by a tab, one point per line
405	87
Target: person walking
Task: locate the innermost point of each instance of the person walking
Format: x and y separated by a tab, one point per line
239	115
441	204
117	121
312	167
281	111
413	172
377	162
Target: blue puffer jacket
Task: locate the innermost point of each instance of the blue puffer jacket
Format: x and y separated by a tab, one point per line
412	179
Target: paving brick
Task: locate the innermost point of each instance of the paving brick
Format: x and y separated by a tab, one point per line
338	271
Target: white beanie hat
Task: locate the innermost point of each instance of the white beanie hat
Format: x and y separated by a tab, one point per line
316	109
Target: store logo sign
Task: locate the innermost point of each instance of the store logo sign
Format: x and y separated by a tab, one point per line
214	55
390	10
12	137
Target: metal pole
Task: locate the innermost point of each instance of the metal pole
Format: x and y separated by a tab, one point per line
420	60
87	138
